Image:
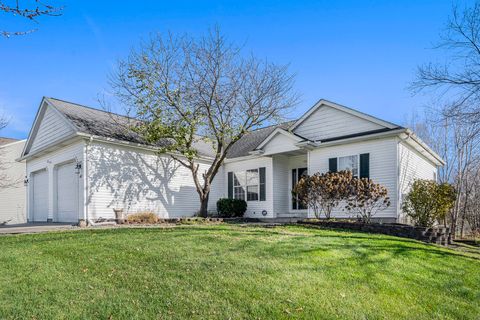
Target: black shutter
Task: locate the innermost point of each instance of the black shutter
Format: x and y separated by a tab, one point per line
332	164
230	185
262	184
365	165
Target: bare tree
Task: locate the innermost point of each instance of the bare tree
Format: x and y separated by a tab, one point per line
28	12
457	81
195	91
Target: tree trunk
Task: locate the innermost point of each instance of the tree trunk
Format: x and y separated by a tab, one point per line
204	206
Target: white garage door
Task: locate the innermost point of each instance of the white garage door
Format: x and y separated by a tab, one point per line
67	192
40	196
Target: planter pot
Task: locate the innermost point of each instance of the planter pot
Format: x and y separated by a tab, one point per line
119	216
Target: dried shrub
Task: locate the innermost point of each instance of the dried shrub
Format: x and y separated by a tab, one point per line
324	191
143	217
366	198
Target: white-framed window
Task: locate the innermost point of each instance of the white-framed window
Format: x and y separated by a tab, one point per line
238	185
253	182
246	185
349	163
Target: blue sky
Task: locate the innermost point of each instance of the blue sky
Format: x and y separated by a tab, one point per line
362	54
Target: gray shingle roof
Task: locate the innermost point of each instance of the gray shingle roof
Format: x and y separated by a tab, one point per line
110	125
252	140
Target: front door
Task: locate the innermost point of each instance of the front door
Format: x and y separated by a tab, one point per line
297	174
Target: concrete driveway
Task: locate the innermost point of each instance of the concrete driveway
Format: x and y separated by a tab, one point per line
34	228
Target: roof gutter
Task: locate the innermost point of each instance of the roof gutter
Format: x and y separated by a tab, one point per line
391	133
413	136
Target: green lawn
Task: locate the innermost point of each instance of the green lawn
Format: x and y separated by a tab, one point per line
222	272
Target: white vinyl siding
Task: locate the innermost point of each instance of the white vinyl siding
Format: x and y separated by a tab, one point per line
383	164
51	129
280	143
139	180
255	208
13	197
412	166
327	122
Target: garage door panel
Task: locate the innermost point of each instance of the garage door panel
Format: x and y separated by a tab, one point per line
67	193
40	196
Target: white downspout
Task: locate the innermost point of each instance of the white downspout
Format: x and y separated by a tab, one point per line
399	164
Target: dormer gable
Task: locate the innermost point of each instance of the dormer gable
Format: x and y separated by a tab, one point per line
326	120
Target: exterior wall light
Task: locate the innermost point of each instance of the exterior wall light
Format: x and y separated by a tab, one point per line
78	167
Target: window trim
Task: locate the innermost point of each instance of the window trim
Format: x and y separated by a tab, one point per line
257	170
238	186
358	163
245	187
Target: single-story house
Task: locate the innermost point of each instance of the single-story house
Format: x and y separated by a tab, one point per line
84	162
12	189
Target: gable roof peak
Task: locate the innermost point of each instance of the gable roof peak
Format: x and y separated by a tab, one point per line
362	115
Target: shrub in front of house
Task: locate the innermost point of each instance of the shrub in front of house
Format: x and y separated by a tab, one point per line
147	217
429	202
229	208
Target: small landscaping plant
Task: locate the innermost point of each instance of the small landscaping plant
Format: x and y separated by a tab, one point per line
228	208
429	202
143	217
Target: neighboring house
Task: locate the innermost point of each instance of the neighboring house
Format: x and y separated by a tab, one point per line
12	189
83	162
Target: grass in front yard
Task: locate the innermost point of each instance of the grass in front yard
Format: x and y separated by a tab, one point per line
235	272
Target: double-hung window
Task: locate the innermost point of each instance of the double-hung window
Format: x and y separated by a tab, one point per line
349	163
252	185
238	185
247	185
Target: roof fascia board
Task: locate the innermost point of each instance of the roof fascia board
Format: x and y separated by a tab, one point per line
47	147
413	137
34	127
391	133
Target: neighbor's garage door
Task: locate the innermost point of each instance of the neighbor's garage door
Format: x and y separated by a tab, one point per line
67	192
40	196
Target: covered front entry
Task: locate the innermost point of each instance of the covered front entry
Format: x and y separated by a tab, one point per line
67	193
288	170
